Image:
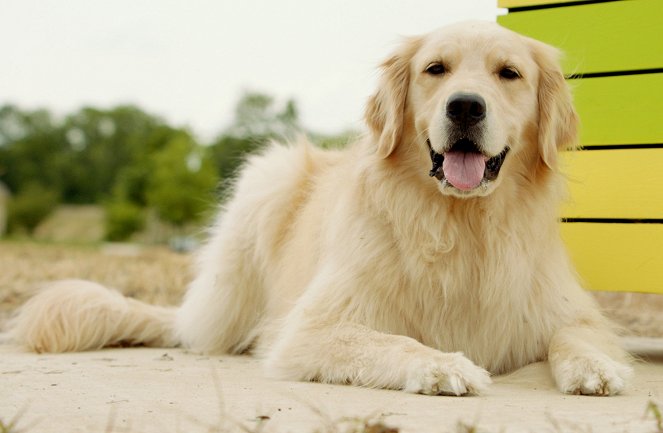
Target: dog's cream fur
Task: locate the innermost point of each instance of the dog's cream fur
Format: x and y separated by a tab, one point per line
354	266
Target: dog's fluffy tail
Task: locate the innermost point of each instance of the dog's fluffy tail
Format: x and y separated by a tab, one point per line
76	315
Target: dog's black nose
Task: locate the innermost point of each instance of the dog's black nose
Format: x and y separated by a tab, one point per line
466	108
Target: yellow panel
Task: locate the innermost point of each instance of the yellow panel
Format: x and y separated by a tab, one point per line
620	110
598	37
615	183
617	257
522	3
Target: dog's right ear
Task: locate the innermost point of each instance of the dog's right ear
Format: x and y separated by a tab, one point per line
385	110
558	120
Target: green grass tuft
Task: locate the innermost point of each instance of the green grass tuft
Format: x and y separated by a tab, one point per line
655	411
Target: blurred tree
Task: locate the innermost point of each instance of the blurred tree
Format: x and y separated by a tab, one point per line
228	152
31	149
79	157
129	160
132	179
257	117
123	219
30	207
257	121
182	183
102	143
125	212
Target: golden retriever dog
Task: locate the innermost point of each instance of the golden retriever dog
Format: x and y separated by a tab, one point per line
424	257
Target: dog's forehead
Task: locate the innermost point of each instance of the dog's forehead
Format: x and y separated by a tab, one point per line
472	37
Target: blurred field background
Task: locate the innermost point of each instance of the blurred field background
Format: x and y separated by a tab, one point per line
148	180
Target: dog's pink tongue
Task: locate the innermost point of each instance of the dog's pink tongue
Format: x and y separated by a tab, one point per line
464	170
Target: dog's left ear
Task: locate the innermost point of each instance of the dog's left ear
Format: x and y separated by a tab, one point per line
385	110
558	121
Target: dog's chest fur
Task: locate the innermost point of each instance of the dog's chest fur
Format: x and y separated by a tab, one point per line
473	287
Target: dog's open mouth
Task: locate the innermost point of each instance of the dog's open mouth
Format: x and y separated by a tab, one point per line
464	166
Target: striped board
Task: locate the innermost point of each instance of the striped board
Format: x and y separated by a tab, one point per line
598	38
613	220
620	109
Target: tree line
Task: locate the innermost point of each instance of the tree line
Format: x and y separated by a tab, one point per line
129	161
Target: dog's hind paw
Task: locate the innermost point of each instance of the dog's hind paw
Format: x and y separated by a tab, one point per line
592	375
446	374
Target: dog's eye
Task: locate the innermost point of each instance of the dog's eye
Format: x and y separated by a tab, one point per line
436	69
509	73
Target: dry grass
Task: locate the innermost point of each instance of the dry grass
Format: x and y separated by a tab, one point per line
641	314
153	274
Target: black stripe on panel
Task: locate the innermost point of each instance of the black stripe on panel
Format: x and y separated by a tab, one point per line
558	5
614	220
622	146
614	73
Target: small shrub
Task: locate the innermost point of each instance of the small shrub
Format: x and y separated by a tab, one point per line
30	207
123	219
655	411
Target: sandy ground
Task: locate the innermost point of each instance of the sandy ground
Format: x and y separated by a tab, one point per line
156	390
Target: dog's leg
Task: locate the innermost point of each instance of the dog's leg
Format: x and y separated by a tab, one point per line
586	359
223	303
346	353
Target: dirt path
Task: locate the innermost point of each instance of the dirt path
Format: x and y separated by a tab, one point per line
156	390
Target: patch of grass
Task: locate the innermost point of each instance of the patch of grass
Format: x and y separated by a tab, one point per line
7	428
152	274
10	426
655	411
463	427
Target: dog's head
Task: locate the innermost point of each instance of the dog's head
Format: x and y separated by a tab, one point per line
478	99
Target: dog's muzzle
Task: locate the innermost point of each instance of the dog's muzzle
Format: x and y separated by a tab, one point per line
464	166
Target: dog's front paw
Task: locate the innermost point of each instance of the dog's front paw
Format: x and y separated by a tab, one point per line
591	375
446	374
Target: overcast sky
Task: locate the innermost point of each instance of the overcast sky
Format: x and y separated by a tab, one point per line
190	60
